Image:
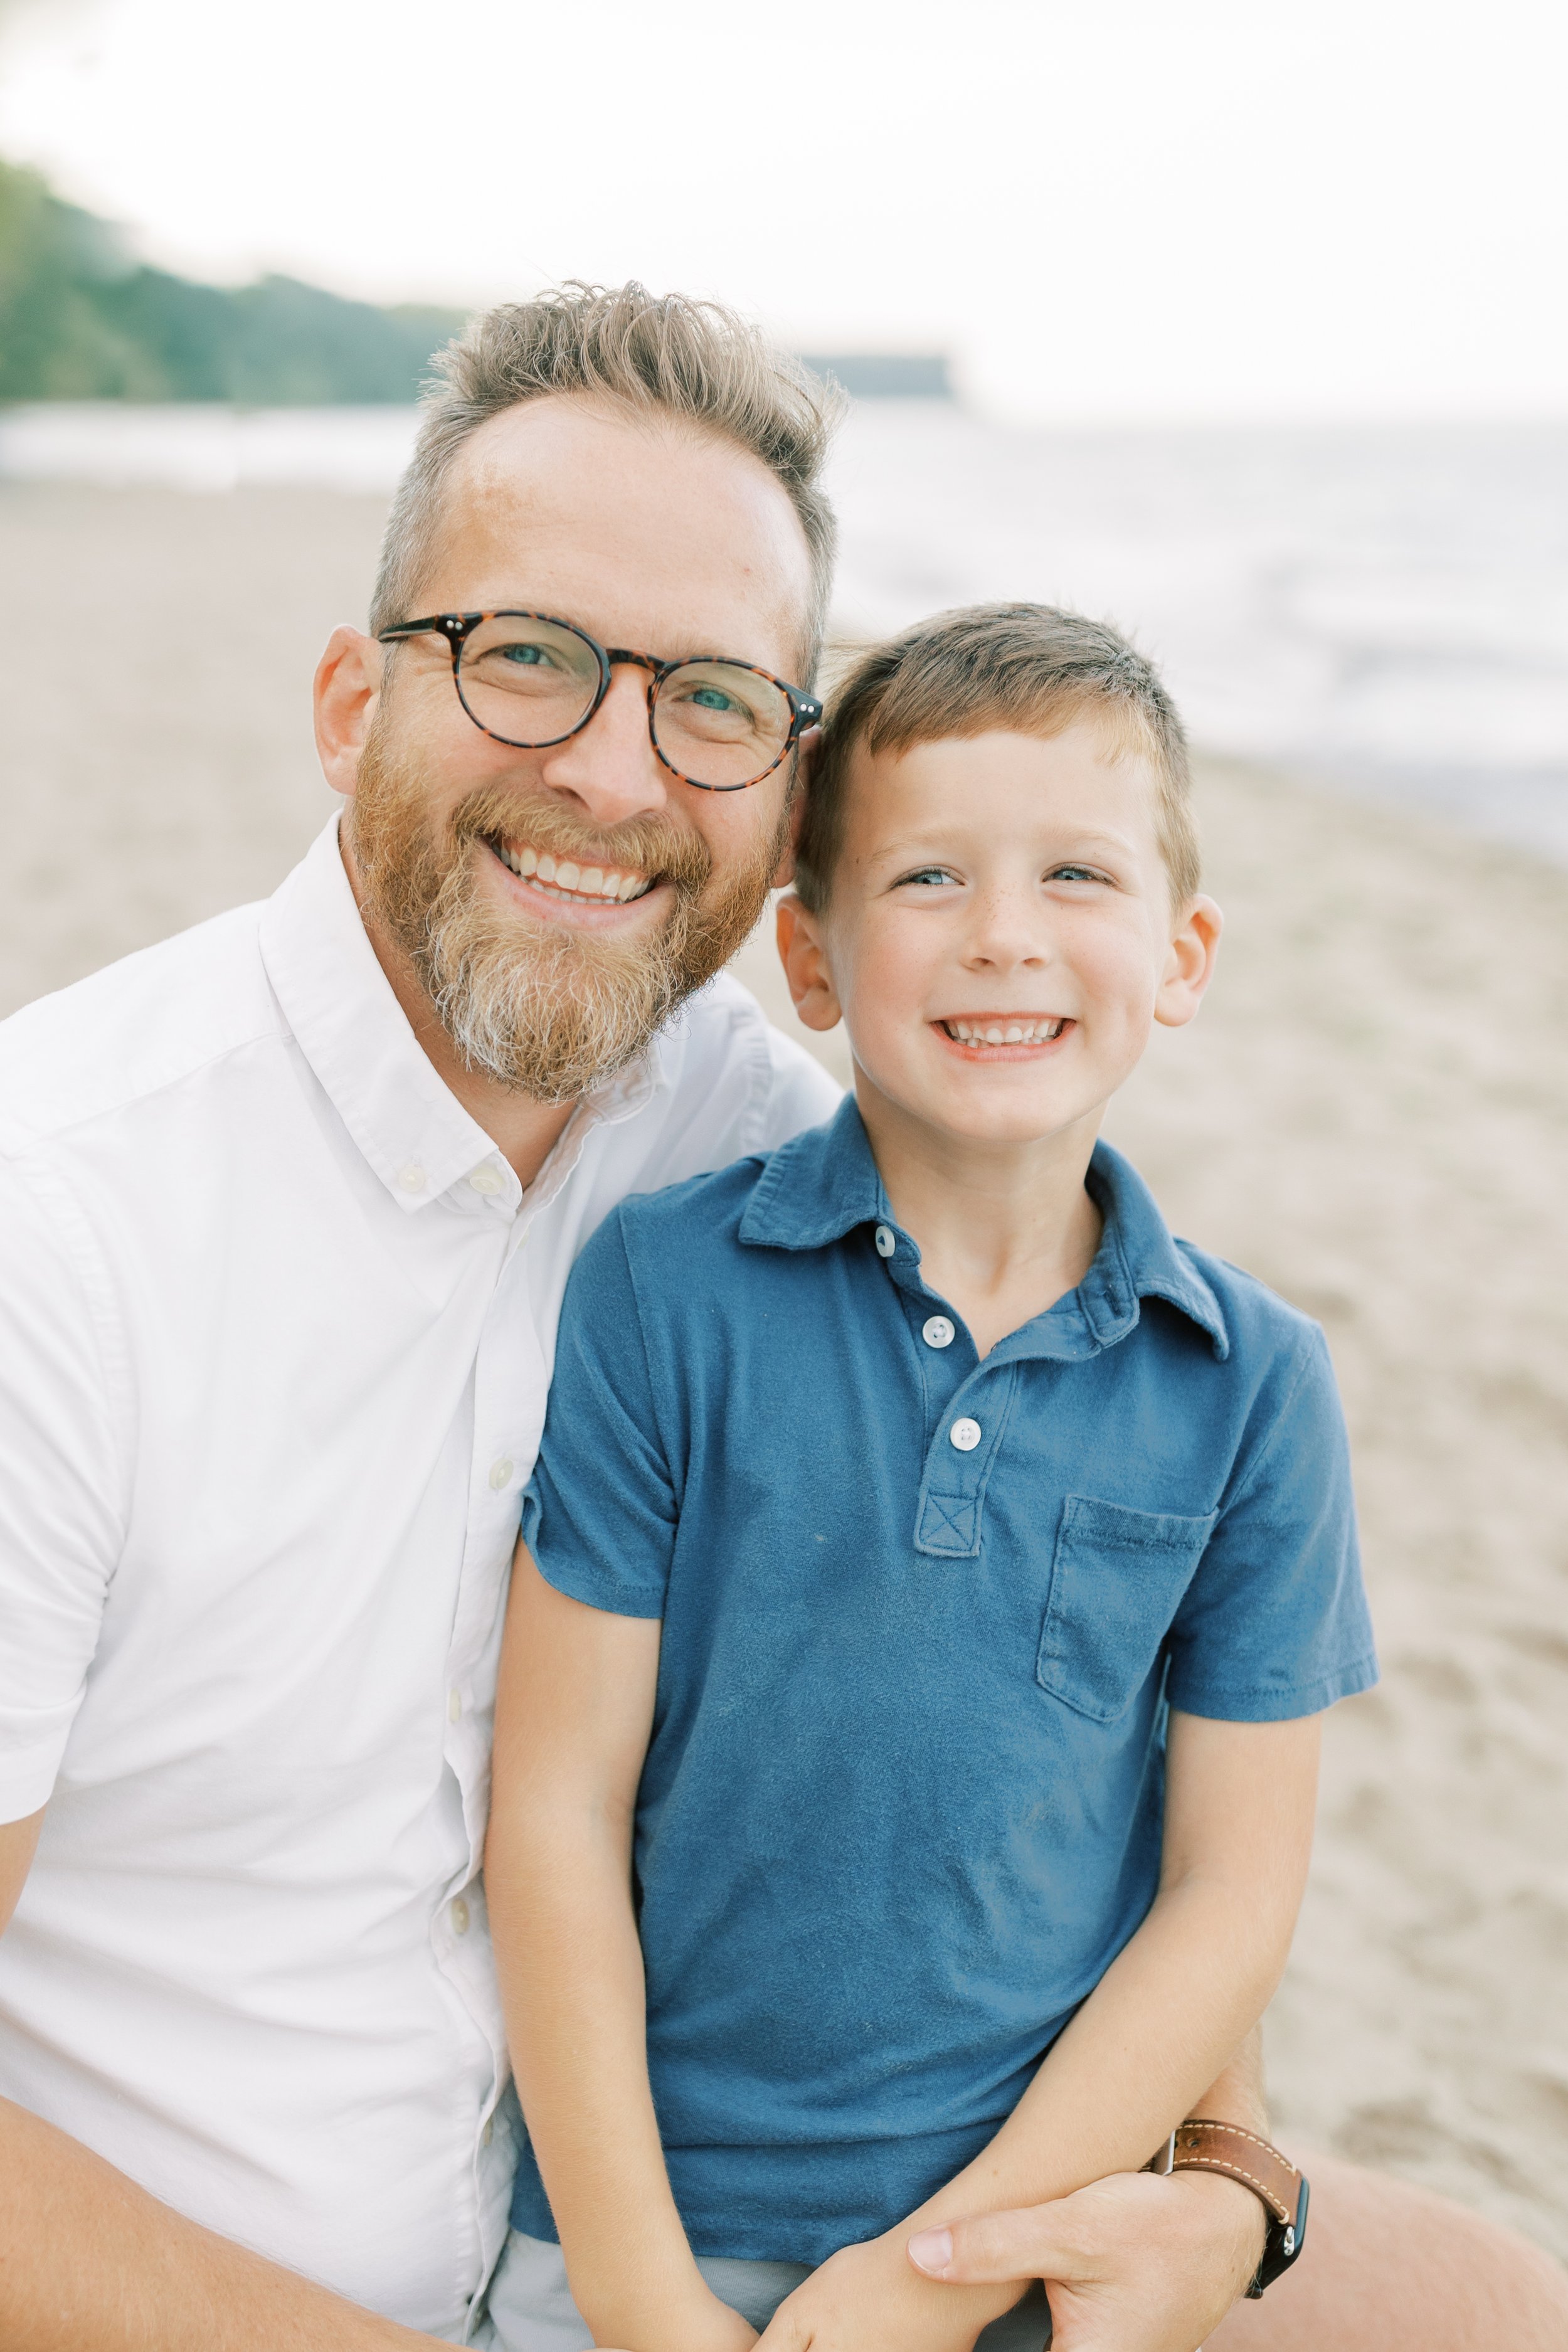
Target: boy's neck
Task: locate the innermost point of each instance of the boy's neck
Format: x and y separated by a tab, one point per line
1003	1229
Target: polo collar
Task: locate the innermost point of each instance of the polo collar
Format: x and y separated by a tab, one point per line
356	1037
824	1185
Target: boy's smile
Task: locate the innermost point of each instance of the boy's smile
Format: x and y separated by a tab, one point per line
1000	935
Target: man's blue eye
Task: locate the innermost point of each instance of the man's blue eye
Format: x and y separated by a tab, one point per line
533	654
709	697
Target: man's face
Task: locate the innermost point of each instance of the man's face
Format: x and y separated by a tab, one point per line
645	535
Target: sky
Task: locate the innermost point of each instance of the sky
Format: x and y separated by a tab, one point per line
1105	210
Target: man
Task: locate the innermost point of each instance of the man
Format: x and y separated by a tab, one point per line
286	1209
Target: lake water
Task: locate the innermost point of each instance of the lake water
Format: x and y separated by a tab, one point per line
1385	607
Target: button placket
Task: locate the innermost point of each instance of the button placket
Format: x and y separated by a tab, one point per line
959	1458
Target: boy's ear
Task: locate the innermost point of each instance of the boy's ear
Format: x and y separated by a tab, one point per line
1189	963
804	960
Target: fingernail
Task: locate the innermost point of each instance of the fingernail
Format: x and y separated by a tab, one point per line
931	2250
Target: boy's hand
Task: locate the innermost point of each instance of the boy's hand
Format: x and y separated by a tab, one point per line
701	2324
868	2299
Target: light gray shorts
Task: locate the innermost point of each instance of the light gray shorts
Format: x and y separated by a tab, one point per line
531	2310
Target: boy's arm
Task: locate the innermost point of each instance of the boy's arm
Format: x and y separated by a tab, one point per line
574	1713
1174	2006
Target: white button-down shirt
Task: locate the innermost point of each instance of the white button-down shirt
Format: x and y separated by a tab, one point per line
277	1323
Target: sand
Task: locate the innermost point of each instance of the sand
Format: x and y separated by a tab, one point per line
1372	1114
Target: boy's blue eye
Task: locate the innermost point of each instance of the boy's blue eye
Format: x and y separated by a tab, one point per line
933	876
1072	874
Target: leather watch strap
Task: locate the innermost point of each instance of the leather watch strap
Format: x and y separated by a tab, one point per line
1201	2145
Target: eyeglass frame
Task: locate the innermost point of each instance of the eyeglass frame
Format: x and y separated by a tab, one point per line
805	711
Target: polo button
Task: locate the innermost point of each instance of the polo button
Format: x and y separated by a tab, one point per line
486	1179
886	1241
454	1706
499	1473
937	1331
459	1915
412	1177
965	1435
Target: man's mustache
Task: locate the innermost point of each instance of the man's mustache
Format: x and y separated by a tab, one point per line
649	845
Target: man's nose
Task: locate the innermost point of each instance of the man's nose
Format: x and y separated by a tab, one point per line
610	768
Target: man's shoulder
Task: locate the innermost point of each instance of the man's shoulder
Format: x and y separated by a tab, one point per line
132	1029
722	1035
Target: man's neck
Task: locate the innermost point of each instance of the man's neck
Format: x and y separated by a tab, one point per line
524	1132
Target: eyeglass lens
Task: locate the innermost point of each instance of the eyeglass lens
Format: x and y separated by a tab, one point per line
532	682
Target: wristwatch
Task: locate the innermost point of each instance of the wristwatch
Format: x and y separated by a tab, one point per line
1200	2145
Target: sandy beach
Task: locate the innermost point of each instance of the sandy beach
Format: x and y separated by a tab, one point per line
1371	1115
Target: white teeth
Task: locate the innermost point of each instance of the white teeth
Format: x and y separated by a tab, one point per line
1014	1032
589	884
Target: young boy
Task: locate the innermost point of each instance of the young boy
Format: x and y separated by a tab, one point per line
930	1580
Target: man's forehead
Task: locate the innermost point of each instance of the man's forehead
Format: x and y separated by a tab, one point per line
651	532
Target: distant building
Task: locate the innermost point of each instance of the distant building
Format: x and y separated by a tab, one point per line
886	375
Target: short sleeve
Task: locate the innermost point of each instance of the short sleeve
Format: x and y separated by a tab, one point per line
60	1524
599	1514
1275	1623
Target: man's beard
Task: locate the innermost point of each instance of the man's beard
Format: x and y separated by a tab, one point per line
547	1009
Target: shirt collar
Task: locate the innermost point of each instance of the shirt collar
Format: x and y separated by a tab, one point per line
825	1183
356	1037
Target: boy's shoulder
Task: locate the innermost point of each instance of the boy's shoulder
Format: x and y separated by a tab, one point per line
1249	1326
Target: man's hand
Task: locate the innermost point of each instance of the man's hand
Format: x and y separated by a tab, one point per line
1136	2262
867	2298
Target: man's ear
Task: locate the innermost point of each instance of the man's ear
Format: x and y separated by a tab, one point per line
804	960
1189	963
348	681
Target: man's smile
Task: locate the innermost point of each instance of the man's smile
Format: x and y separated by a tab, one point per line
568	882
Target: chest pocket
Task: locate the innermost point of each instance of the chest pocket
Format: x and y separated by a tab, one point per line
1116	1581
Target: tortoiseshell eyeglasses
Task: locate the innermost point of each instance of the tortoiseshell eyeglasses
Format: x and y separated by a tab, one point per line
531	680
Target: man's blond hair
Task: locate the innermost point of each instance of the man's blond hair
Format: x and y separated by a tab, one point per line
648	354
1030	669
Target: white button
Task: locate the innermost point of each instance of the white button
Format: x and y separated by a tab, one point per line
500	1472
459	1915
487	1179
886	1241
965	1435
937	1331
412	1177
454	1706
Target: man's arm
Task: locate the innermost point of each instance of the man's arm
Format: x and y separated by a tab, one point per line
574	1713
1146	2043
90	2263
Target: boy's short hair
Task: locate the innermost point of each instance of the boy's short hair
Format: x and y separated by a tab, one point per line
1030	669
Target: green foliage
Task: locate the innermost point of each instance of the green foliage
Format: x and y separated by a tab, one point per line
81	320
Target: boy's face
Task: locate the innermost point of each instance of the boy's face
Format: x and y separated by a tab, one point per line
1000	935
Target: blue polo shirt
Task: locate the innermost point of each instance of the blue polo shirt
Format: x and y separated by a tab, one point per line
923	1614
